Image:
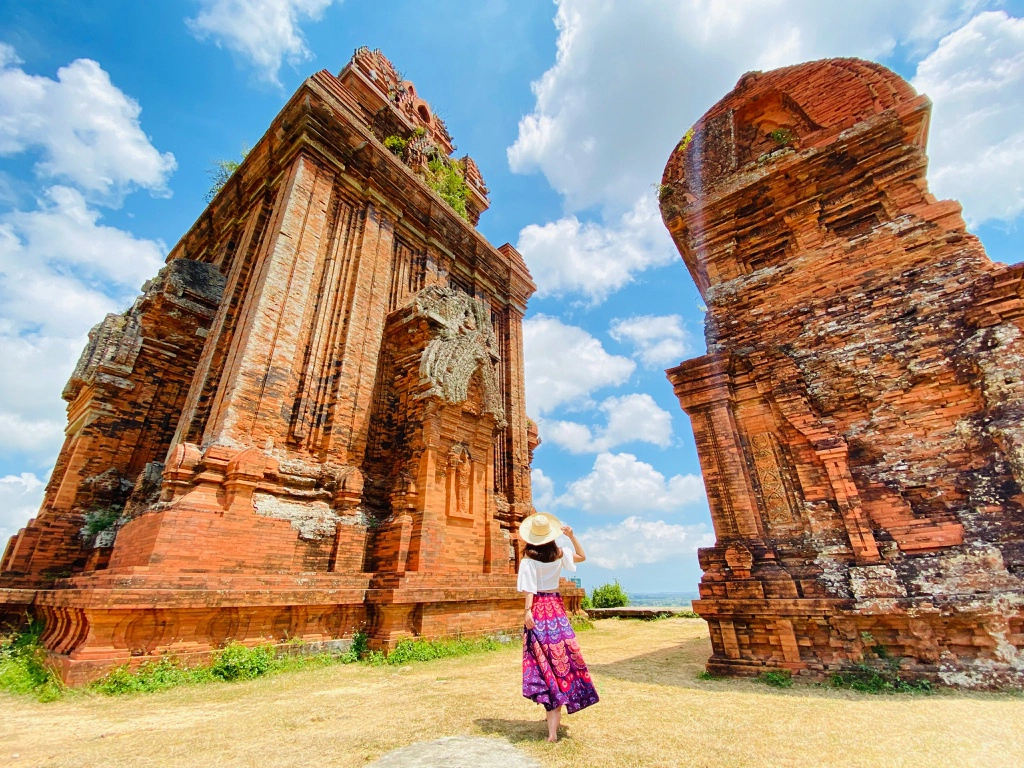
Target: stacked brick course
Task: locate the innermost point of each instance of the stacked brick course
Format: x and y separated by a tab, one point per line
858	411
312	421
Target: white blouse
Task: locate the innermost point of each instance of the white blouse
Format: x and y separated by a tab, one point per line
535	576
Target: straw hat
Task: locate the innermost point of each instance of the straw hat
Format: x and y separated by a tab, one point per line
540	528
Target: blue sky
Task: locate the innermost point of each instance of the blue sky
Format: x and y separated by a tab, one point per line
111	113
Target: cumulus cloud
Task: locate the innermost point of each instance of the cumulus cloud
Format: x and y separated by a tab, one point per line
630	78
975	79
266	32
20	497
564	364
630	418
659	340
543	488
636	542
62	251
622	484
61	272
86	130
568	256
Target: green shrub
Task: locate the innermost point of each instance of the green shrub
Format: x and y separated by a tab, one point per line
23	666
221	170
149	677
777	678
100	519
239	662
396	144
585	603
687	614
782	136
609	596
445	178
360	647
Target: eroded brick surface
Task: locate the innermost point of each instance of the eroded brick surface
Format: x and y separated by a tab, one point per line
857	413
312	421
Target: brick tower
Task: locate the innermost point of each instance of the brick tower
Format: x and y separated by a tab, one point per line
858	411
313	418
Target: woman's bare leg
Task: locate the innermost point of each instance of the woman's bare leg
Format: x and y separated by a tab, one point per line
554	719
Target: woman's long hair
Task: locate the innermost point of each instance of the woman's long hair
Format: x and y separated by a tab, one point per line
543	553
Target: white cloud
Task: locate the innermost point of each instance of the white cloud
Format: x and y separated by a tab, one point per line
61	272
630	418
569	256
630	78
62	252
266	32
20	497
622	484
543	488
660	340
636	542
975	79
86	129
564	364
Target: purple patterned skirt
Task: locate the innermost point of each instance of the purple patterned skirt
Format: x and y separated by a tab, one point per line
554	673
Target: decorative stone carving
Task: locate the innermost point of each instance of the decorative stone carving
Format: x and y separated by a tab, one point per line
464	344
459	475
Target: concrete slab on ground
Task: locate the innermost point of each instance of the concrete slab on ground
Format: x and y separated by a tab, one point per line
457	752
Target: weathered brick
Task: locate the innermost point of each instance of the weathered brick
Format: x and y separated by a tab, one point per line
312	421
857	414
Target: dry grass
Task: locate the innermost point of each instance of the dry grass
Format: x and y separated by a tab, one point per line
654	712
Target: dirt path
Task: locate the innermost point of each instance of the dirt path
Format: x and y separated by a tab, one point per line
654	712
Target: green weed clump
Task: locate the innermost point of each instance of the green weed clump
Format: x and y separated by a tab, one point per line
221	170
776	678
580	623
234	662
23	665
886	679
687	614
100	519
150	677
705	675
609	596
410	650
880	676
444	178
239	662
396	144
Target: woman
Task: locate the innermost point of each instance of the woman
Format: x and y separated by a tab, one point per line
554	673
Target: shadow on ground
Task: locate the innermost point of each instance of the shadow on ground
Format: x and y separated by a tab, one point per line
678	666
681	665
519	730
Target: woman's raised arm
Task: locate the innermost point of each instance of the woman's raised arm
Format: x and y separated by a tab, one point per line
579	555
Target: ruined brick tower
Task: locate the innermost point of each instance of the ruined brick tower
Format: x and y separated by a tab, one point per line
313	418
858	411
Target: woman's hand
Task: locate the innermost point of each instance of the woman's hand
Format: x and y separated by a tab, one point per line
579	555
528	620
